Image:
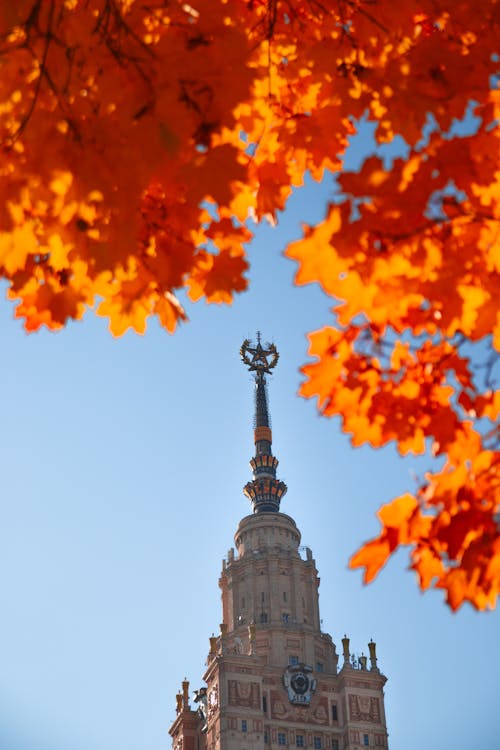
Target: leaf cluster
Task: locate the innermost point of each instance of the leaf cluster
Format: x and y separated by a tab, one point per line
137	139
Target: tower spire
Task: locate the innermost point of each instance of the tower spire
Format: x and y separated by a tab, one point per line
264	491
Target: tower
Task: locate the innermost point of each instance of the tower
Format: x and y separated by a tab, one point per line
272	677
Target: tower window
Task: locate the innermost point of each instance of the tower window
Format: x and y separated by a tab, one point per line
334	712
281	738
284	596
317	743
299	740
243	725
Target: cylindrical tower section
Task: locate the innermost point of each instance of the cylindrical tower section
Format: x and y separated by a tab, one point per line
265	533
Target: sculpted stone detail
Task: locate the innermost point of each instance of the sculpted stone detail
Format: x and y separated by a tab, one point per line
278	708
364	708
212	701
299	683
280	711
315	714
246	694
201	699
301	714
320	713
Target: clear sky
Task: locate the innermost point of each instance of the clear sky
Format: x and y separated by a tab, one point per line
122	467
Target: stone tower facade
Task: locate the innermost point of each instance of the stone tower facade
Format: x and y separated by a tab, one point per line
273	678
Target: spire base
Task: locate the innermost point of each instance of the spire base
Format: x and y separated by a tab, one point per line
265	494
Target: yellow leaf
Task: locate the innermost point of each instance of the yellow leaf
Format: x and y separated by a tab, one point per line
372	556
58	252
15	247
398	511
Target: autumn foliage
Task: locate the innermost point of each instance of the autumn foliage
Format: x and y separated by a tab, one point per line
137	139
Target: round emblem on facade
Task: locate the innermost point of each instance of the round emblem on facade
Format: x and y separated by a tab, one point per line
299	684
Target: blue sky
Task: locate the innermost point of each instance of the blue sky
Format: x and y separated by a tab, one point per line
123	466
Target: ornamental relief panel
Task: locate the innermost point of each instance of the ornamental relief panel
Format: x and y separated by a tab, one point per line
246	694
320	712
212	700
364	708
316	713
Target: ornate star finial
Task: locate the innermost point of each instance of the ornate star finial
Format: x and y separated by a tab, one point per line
259	359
